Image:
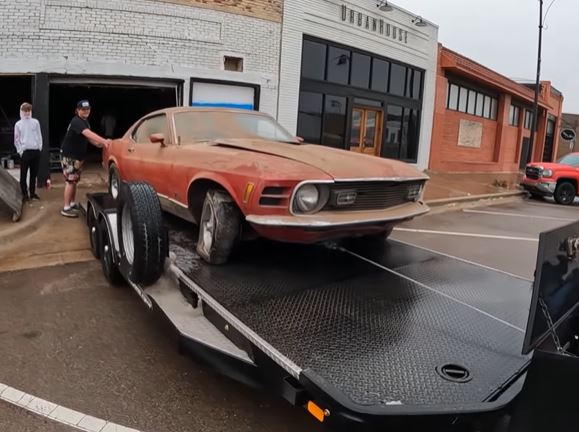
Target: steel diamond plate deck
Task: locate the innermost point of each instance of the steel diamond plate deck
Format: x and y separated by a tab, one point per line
373	335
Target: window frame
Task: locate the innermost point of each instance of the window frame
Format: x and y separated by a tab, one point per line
168	138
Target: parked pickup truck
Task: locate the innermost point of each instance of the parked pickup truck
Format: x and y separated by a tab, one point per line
559	180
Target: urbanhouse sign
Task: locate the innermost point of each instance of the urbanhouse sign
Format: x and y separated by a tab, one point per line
373	24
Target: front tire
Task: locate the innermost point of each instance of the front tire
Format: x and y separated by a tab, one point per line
219	227
565	193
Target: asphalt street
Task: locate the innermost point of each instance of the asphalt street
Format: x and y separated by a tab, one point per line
68	337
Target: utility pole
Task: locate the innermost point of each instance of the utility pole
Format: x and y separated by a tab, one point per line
537	83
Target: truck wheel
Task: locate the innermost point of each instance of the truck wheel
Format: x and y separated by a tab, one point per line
114	181
219	227
110	270
95	234
142	236
565	193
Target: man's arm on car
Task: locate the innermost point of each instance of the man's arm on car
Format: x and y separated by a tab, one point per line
96	139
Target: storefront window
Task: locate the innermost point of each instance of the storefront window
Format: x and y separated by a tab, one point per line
416	84
360	70
314	60
394	117
310	117
380	73
471	109
453	97
463	99
338	65
334	127
397	79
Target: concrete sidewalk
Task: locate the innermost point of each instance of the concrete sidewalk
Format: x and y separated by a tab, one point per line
43	237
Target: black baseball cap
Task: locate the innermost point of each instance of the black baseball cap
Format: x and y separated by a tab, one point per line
83	104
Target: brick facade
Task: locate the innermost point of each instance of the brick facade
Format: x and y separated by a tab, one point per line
501	143
144	38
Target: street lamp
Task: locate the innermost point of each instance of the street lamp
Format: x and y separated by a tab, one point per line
384	6
538	82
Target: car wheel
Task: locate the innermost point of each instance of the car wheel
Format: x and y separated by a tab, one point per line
114	181
565	193
219	227
95	234
110	270
142	236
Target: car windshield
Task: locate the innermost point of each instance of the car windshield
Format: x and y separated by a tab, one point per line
212	125
571	159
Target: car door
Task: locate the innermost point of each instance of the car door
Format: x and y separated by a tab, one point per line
149	161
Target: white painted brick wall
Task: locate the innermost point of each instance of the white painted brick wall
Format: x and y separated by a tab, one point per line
142	38
322	18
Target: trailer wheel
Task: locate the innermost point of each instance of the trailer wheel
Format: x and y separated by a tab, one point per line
565	193
95	233
114	181
219	227
110	270
142	236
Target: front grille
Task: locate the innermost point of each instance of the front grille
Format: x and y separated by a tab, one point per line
533	173
377	195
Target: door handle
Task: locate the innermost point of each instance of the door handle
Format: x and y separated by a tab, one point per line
131	149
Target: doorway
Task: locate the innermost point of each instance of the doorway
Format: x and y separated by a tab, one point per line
366	136
549	141
525	153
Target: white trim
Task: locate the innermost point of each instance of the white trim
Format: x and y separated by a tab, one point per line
463	234
485	212
58	413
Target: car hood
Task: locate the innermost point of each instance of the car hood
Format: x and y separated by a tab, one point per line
548	165
339	164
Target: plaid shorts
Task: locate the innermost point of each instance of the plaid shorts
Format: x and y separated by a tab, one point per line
71	169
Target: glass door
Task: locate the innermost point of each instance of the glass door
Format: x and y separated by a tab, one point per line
366	136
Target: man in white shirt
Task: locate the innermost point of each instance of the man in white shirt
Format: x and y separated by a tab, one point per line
28	143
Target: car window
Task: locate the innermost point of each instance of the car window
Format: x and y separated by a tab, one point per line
211	125
152	125
572	160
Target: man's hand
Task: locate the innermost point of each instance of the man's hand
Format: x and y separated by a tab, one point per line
107	143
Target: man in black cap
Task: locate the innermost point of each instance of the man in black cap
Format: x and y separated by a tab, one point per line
73	154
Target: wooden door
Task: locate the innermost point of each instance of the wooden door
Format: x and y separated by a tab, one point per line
366	136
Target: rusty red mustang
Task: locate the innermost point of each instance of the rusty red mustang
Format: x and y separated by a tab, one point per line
233	172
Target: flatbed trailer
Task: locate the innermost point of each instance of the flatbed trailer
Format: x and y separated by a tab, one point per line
394	337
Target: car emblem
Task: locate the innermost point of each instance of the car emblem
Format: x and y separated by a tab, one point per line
345	198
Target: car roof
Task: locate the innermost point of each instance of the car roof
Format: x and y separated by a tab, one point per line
174	110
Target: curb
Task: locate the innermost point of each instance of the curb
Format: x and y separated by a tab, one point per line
23	228
471	198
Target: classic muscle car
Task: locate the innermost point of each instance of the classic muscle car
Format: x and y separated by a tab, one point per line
235	172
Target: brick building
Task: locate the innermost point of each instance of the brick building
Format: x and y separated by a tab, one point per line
131	57
482	120
569	121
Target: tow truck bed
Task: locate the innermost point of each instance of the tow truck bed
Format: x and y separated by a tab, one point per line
372	336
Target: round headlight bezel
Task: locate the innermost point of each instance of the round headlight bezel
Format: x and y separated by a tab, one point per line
322	191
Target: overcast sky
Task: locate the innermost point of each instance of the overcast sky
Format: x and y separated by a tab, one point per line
503	35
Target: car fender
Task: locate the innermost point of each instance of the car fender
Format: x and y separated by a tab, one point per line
219	179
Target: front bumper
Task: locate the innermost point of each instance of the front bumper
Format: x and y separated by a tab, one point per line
542	186
332	220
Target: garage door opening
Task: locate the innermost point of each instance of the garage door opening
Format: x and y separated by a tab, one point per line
14	90
124	103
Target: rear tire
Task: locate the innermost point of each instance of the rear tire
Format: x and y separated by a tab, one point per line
114	181
565	193
142	235
110	269
219	227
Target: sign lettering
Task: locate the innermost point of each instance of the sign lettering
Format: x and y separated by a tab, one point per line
373	24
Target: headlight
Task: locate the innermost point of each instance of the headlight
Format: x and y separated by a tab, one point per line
307	198
414	192
547	173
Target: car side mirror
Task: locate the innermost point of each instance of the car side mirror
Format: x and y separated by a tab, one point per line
158	138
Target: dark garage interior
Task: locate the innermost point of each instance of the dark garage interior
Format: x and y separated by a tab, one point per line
125	103
14	90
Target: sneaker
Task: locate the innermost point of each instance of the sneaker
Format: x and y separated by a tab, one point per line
75	206
35	197
69	212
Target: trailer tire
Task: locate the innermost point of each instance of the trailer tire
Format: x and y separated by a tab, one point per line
95	233
219	227
110	270
114	181
143	240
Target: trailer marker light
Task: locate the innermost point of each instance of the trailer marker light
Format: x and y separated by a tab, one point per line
319	413
248	191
